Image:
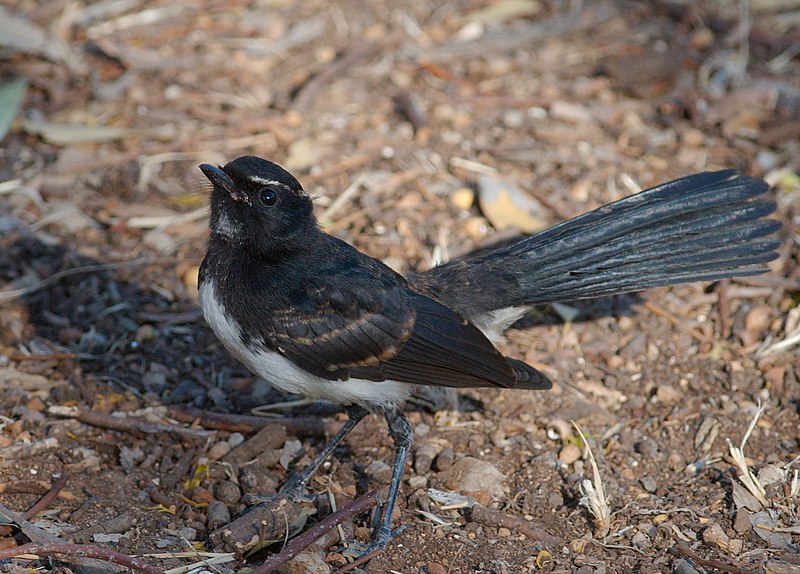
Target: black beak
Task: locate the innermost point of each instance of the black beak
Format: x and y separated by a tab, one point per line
223	181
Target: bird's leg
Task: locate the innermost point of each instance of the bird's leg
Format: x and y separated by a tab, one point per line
296	485
402	434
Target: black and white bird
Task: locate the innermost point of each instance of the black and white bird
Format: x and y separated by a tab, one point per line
313	315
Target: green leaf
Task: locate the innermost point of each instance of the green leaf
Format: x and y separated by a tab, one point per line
11	94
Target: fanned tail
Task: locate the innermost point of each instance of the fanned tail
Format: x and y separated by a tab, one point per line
703	227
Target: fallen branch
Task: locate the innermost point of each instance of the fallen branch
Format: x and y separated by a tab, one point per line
42	541
48	497
127	424
295	426
681	548
301	541
62	550
489	517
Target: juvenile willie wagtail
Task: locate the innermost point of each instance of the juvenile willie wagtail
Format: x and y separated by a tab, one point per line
312	315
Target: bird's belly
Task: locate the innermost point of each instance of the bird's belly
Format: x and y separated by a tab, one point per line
285	375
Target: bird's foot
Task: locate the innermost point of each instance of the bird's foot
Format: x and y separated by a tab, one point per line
295	490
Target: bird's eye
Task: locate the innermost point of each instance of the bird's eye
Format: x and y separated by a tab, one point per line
268	197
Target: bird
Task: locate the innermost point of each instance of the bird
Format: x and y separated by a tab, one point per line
313	315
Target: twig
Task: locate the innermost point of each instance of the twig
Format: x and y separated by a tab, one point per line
696	333
308	537
60	549
480	513
33	532
682	548
127	424
594	495
723	288
48	497
297	426
747	477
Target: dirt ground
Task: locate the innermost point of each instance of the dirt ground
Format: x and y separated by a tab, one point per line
398	109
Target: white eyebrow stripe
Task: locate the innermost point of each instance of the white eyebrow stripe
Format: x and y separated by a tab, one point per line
264	181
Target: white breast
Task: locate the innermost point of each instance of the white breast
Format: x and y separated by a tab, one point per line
285	375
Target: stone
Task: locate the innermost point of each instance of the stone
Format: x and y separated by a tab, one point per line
474	475
569	454
648	483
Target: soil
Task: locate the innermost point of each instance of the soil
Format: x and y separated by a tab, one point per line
103	224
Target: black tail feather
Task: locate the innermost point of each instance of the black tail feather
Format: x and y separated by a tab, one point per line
703	227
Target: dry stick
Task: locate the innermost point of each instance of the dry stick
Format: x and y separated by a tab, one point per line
48	497
127	424
301	541
682	548
696	333
297	426
57	549
41	538
480	513
723	288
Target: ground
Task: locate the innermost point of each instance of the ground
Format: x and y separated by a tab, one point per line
389	114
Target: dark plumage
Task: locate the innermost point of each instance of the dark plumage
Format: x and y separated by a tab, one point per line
313	315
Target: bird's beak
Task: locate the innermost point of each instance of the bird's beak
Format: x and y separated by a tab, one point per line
223	181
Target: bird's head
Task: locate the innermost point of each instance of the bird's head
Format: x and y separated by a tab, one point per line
257	204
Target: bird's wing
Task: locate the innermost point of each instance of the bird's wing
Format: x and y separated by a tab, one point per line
446	350
339	328
393	334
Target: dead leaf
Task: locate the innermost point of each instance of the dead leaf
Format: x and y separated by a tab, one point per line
505	206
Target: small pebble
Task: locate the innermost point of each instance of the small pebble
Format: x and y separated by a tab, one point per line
145	333
201	495
217	515
742	524
757	319
649	484
416	482
308	563
463	198
555	500
569	454
514	119
218	450
503	532
436	568
647	447
379	471
615	362
668	394
423	458
625	323
474	475
227	492
681	566
444	459
640	540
